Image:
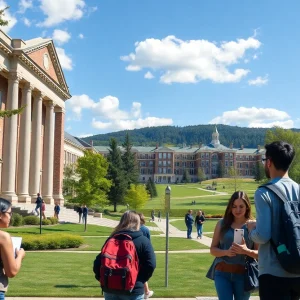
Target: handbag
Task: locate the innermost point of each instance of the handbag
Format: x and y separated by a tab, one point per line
251	275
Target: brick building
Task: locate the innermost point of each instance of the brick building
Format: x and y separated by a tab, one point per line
31	144
167	164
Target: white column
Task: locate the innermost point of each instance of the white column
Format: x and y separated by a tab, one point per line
35	153
10	141
48	154
24	146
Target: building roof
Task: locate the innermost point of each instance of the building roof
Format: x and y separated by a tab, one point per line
76	141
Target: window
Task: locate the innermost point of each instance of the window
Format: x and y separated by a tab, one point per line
231	163
226	163
159	170
150	163
207	155
142	164
164	170
169	155
169	163
231	155
169	171
164	155
164	163
177	164
160	163
159	155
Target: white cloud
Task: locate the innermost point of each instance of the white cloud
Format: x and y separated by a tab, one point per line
64	59
24	5
149	75
192	60
259	81
254	117
83	135
27	22
79	102
61	36
12	21
81	36
109	116
58	11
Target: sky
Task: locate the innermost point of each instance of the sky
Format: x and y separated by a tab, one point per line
132	64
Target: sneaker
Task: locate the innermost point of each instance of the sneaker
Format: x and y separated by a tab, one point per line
148	295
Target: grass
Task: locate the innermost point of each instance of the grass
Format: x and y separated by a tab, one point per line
209	235
71	275
208	226
158	243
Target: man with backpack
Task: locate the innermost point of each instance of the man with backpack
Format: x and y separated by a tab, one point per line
275	230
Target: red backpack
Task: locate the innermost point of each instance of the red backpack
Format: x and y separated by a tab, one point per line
119	264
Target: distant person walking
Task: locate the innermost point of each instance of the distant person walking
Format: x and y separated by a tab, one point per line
10	258
189	221
271	229
146	232
199	220
56	210
79	210
152	215
38	203
84	213
159	216
43	209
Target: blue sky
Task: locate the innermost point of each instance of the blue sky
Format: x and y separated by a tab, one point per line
132	64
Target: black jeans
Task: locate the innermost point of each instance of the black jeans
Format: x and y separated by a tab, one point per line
278	288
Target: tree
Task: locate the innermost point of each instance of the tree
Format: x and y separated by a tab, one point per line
220	170
92	186
235	178
153	188
2	14
69	181
200	175
186	178
291	137
149	187
259	172
129	163
116	175
136	196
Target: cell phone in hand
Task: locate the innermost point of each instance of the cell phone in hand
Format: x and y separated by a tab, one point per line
238	236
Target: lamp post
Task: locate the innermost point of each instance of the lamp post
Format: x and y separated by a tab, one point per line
167	208
41	171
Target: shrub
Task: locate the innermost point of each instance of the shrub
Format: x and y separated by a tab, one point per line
17	220
52	220
31	220
46	222
51	241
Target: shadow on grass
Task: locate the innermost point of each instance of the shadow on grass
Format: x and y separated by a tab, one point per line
72	286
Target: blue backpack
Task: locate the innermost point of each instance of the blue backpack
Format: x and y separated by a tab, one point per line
287	248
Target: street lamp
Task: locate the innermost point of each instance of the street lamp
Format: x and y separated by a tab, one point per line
41	171
167	208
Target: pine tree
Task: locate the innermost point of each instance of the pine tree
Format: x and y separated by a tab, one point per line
200	175
153	188
116	175
186	178
129	163
220	170
149	187
259	172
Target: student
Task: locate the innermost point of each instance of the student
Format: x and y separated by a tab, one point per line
199	220
56	210
228	268
274	282
189	221
10	260
43	209
130	225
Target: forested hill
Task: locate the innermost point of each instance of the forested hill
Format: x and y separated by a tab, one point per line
189	135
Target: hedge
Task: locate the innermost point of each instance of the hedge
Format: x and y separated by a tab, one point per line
51	241
18	220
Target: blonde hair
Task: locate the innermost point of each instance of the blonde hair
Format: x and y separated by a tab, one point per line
130	220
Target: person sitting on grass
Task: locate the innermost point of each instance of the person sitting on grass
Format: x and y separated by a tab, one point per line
146	232
228	267
10	258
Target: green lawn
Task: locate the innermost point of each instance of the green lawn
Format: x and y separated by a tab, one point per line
159	244
70	275
208	226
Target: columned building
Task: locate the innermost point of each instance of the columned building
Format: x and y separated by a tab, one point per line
32	143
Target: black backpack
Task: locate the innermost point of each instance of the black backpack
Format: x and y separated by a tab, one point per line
287	248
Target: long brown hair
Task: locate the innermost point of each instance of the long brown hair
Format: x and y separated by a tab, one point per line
130	220
228	216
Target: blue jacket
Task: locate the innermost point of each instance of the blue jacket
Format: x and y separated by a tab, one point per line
189	220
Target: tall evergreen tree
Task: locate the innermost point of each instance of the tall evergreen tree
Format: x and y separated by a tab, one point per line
220	170
129	163
149	187
116	175
186	178
153	188
259	172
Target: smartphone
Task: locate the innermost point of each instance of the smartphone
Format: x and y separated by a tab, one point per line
238	236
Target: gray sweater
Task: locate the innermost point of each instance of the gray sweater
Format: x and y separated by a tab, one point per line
267	206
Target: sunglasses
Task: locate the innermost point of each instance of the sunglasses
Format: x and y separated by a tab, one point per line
9	212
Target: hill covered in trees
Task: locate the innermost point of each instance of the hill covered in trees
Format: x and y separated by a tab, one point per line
189	135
